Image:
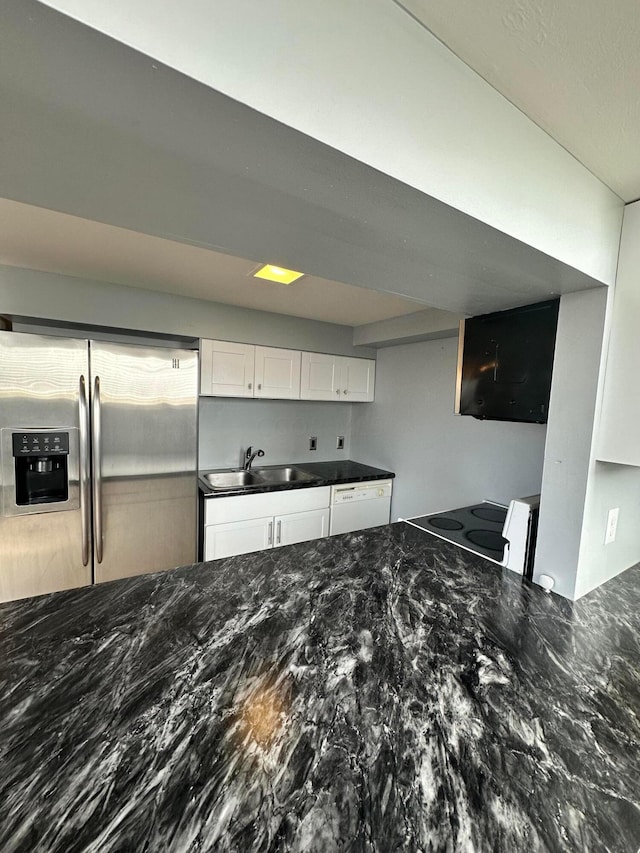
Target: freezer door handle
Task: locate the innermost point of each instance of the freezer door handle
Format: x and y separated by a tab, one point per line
96	451
85	474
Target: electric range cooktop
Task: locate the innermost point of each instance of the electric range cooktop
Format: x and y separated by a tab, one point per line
478	528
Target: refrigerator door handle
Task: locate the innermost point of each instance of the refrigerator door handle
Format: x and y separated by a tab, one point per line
96	451
85	473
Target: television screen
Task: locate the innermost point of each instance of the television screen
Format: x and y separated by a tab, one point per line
505	363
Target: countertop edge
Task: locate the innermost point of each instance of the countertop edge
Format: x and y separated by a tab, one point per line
362	476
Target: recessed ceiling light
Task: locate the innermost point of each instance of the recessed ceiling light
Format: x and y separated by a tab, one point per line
279	274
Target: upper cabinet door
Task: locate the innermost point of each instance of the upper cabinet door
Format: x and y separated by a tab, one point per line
357	380
277	373
226	369
319	378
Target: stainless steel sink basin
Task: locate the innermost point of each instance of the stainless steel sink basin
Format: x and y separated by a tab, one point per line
286	474
256	477
232	479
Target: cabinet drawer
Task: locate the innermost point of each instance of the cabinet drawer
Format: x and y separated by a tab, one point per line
244	507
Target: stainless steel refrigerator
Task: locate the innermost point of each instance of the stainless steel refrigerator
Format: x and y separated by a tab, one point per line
97	461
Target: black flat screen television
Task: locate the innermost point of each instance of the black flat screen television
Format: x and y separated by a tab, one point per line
505	361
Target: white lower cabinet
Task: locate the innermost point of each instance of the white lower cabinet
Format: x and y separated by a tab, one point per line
237	537
245	523
301	526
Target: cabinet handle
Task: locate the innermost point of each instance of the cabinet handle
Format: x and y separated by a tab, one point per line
259	386
345	391
279	533
337	390
270	534
249	386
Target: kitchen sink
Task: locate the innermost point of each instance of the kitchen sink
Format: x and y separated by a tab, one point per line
286	474
232	479
256	477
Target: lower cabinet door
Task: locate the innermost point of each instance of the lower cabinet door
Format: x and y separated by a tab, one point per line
237	537
301	526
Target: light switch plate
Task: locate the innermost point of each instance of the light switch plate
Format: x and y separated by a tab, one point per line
313	442
340	442
612	525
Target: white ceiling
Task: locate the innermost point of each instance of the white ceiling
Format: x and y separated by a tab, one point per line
41	239
572	66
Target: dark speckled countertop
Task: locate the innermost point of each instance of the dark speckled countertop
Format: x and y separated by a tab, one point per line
376	691
326	474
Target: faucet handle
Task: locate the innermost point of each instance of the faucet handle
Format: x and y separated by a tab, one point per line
248	452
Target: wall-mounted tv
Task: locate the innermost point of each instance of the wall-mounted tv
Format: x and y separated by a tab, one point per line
505	361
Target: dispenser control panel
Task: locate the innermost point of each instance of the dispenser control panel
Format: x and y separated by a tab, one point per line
53	443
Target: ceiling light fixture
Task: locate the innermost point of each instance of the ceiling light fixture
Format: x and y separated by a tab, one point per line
279	274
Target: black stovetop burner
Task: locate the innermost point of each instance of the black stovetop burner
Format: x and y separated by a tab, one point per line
478	528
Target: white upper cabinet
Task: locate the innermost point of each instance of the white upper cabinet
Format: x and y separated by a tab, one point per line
244	370
319	377
277	373
226	369
336	377
358	379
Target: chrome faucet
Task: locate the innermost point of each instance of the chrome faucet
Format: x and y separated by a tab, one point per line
250	455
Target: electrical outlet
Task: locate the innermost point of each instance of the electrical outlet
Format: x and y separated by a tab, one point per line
313	442
612	525
340	442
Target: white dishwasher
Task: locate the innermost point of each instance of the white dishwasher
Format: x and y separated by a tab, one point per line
355	506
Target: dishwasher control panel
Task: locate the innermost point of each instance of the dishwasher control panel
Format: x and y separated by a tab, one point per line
356	492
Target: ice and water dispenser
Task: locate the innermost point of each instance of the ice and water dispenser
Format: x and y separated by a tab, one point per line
38	470
41	464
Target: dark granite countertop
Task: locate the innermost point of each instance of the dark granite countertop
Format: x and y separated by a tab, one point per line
326	474
376	691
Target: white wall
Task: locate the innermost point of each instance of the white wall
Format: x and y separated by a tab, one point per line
30	293
618	435
589	402
368	80
441	460
280	427
609	486
572	408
